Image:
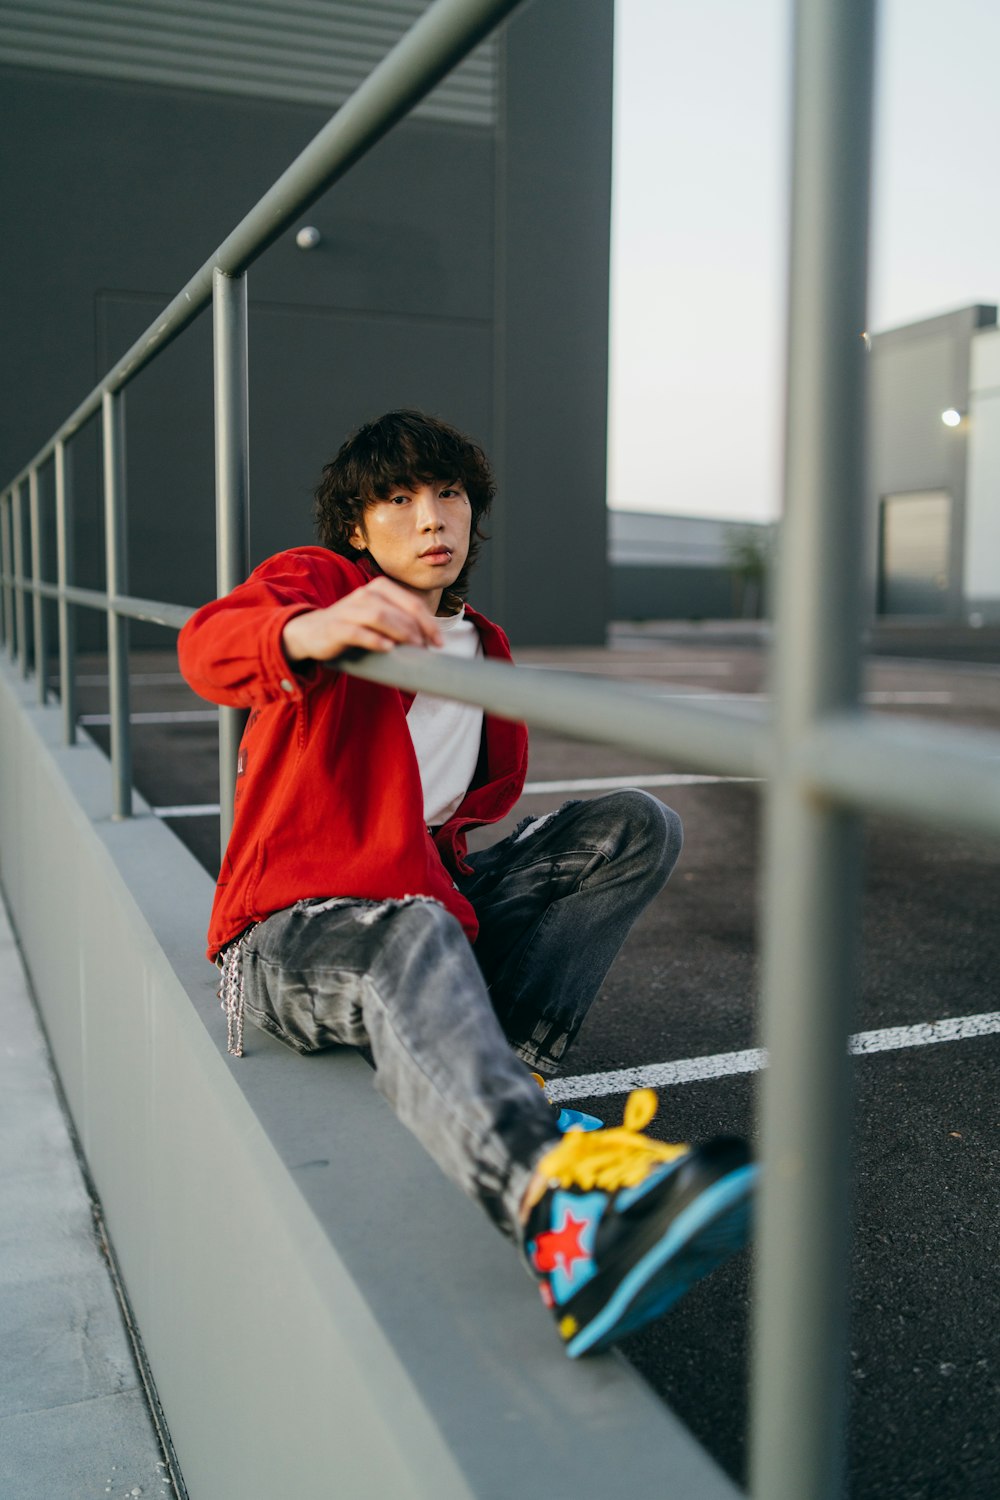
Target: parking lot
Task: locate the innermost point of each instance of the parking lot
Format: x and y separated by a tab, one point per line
924	1364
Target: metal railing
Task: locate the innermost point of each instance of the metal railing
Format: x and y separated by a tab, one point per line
824	758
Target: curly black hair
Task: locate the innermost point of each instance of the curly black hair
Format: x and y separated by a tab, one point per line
402	448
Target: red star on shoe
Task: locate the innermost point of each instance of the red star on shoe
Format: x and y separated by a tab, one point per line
560	1245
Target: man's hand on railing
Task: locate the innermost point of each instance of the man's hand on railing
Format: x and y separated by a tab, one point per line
376	617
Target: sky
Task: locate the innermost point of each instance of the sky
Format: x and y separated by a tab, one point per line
700	185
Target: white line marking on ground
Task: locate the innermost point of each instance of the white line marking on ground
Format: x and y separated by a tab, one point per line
189	810
955	1029
614	669
175	716
531	789
725	1064
909	697
613	783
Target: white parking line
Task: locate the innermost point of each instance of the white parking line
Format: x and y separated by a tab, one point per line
907	697
613	783
531	789
725	1064
189	810
617	668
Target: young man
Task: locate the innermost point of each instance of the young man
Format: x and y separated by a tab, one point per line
349	913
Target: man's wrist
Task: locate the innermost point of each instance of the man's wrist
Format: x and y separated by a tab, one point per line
296	653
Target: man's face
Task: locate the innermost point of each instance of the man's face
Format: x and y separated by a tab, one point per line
419	536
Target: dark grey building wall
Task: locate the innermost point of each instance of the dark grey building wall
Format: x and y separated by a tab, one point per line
669	592
550	572
461	270
120	192
917	372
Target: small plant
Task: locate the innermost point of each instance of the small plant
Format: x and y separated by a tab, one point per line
748	550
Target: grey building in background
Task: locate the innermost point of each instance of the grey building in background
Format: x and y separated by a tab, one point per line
934	503
687	567
461	267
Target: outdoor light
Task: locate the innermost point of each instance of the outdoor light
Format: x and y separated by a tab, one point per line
308	238
951	417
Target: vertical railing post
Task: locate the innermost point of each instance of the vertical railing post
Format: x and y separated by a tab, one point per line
41	645
113	432
7	556
232	494
20	603
64	577
812	872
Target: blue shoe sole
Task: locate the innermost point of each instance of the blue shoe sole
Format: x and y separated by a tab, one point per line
575	1119
709	1230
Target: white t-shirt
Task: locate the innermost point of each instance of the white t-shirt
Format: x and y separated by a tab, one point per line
446	735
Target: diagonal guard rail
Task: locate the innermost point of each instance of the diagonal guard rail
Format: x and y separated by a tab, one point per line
824	757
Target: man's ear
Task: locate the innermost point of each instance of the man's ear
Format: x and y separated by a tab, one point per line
357	539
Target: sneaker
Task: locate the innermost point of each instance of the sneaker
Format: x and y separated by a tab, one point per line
570	1119
625	1225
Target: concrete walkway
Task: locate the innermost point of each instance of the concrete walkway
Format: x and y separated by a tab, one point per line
74	1423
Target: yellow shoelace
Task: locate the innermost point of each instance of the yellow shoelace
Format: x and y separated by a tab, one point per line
613	1158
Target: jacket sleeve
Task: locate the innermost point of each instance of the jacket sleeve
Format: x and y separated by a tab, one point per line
230	650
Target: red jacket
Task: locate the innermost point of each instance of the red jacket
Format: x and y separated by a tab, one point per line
328	793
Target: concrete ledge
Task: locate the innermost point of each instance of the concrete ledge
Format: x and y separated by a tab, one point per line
323	1313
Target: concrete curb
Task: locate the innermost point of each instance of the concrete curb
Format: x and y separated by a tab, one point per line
323	1313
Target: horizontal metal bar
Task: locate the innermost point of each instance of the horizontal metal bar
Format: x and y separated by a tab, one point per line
173	616
948	778
443	35
931	775
716	737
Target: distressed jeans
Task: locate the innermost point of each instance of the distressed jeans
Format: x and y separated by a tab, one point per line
450	1026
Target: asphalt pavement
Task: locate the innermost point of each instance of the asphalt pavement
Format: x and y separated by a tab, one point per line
924	1361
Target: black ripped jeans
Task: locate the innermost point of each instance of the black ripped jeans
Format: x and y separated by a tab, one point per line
450	1027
